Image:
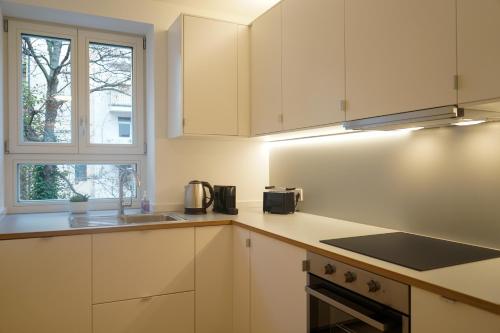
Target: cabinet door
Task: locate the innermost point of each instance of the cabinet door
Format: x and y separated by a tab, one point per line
243	80
241	280
266	101
278	299
433	313
45	285
400	56
159	314
210	76
137	264
214	280
478	50
313	62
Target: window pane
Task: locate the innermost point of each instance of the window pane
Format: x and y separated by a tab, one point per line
46	89
37	182
110	86
124	127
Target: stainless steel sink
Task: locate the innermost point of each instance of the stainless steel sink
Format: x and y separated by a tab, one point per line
145	218
83	221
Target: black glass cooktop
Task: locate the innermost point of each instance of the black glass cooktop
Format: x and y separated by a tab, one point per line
416	252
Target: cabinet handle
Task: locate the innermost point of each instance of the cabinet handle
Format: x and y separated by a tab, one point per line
448	300
343	105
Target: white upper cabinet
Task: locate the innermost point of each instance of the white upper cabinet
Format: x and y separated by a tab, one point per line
313	63
433	313
266	101
203	67
400	56
478	50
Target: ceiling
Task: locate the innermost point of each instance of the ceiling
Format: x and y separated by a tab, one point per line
247	10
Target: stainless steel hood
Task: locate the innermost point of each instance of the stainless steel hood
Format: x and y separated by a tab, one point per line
436	117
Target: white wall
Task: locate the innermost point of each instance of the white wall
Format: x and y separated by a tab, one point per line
2	199
439	182
175	162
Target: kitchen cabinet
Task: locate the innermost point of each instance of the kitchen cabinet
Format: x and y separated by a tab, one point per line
400	56
45	285
313	63
433	313
478	50
266	99
138	264
207	63
278	299
157	314
214	280
241	280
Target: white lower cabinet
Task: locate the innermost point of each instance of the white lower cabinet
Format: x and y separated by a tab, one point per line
278	299
137	264
45	285
158	314
214	281
241	280
433	313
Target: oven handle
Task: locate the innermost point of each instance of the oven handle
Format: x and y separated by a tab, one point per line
356	314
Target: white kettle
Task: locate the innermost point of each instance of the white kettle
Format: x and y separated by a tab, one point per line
196	200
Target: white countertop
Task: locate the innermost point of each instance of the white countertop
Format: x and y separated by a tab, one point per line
478	280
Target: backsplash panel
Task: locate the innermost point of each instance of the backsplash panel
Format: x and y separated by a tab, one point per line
439	182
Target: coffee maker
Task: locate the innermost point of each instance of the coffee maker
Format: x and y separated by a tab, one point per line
225	200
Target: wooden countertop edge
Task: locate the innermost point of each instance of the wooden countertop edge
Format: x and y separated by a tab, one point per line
448	293
103	230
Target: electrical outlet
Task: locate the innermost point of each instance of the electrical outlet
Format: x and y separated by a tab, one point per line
300	192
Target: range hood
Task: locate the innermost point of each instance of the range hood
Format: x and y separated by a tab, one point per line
436	117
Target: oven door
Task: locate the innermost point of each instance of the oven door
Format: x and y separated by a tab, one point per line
333	309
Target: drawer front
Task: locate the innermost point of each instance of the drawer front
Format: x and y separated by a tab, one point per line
158	314
137	264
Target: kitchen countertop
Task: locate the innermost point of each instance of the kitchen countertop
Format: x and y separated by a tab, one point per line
473	283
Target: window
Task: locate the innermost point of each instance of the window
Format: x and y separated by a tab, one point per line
42	182
46	89
124	127
76	113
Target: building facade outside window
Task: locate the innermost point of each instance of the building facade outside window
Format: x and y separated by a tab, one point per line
76	114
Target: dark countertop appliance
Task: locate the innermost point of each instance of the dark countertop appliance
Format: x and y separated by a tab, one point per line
225	200
280	200
413	251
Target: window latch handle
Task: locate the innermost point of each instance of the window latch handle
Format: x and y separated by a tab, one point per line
82	126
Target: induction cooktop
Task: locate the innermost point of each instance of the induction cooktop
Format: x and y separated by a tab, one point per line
412	251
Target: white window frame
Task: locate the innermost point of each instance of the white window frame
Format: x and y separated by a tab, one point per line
137	147
80	151
16	142
11	185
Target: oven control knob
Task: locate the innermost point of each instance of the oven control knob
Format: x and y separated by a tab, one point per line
373	286
350	277
330	269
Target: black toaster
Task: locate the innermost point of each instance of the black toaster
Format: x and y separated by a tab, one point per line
281	201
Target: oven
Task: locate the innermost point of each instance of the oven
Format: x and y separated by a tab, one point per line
344	299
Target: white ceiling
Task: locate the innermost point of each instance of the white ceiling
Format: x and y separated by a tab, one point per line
247	10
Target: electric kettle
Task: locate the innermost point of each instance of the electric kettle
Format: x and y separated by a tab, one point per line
195	197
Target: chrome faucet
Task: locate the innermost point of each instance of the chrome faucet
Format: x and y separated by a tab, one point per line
124	179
